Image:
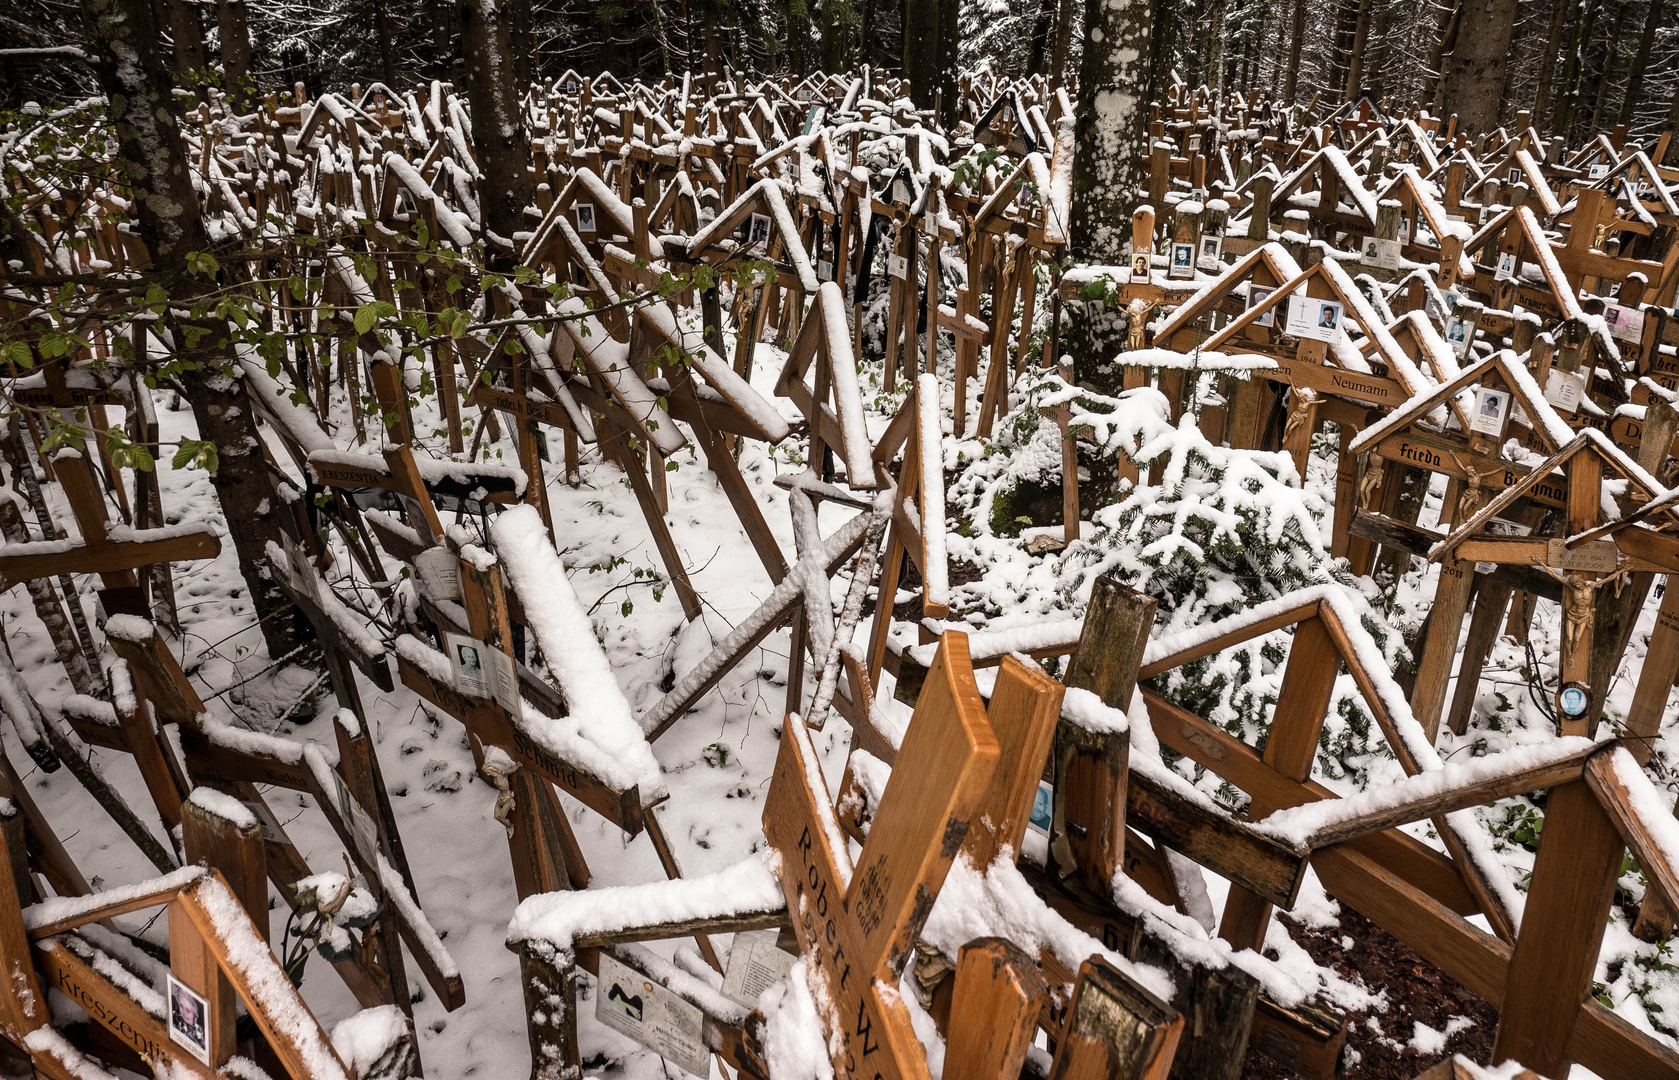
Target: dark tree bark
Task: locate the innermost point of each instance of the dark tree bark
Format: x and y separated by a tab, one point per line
1548	61
387	51
1355	60
1474	73
188	32
1450	18
798	37
235	31
1672	126
836	33
439	19
1635	78
1606	65
499	136
1063	44
151	158
1377	79
1346	23
1578	41
950	18
1040	37
1298	33
921	50
522	39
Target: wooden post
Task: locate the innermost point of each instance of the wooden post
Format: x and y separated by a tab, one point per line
233	847
22	1008
1217	1003
1302	704
1115	1029
994	1008
550	984
1550	972
193	961
1088	834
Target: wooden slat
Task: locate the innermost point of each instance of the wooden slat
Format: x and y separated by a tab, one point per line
109	557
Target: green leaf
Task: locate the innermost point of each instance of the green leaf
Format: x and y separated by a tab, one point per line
195	453
16	352
369	314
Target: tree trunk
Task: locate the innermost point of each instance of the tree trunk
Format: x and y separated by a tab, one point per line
950	21
1606	66
1578	41
1063	43
1355	60
1548	62
1673	127
498	124
152	160
1377	78
1474	73
1040	37
1298	35
1110	142
442	40
1346	24
921	50
387	51
188	31
1451	16
235	33
522	40
1640	63
833	37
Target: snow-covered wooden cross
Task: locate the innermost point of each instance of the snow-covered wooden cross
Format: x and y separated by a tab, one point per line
857	922
113	552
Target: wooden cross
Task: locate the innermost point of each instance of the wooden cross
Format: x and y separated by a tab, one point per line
858	923
214	950
237	767
112	552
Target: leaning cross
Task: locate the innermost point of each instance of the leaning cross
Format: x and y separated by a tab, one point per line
112	552
858	923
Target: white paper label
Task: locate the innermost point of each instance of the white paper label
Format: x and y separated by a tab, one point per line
1625	323
1492	408
755	964
1382	254
439	571
1183	261
824	270
1404	230
652	1015
189	1019
1309	317
898	265
504	679
1506	268
1565	389
1598	171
